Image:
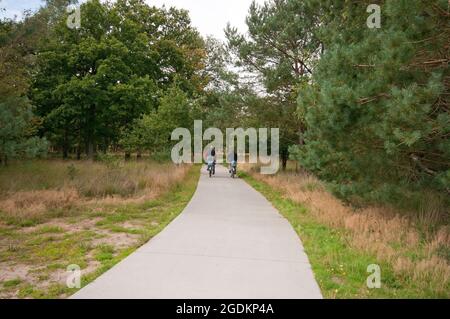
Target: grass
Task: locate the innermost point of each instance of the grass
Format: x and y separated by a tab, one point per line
12	283
341	242
34	191
37	245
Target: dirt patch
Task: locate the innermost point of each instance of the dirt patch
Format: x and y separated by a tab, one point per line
337	280
131	225
84	224
66	227
15	271
117	240
118	200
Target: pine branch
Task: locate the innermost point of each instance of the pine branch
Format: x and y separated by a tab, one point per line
364	65
422	166
368	100
439	61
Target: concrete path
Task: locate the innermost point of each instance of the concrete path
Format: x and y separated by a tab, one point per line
229	243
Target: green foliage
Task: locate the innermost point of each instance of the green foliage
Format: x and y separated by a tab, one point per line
17	127
110	160
12	283
153	131
93	82
281	49
377	111
105	253
217	68
282	45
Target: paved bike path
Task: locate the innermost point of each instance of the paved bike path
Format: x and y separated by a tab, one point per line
228	243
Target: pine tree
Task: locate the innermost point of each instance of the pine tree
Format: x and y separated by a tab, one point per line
377	112
18	124
281	48
17	130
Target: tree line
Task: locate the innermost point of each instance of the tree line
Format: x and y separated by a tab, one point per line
365	109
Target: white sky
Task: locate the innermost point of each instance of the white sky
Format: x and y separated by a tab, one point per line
210	17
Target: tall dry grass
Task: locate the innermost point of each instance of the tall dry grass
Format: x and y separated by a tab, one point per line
34	205
415	244
32	190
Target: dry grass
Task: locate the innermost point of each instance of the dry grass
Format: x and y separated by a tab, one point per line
409	242
32	205
38	190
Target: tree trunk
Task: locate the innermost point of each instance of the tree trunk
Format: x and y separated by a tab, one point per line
127	156
65	145
91	151
139	155
105	146
79	150
65	152
284	159
301	139
284	163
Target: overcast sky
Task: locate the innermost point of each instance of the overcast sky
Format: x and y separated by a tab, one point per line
209	16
